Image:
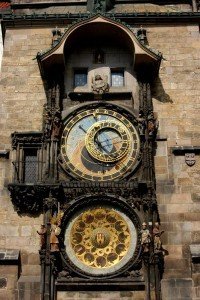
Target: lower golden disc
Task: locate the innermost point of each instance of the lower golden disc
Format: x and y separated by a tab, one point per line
100	237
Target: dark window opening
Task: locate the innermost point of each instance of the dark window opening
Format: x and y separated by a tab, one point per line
80	77
30	165
117	78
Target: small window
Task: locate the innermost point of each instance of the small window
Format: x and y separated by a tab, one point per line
30	165
117	78
80	77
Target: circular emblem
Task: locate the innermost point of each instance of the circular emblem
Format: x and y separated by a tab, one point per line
100	240
100	237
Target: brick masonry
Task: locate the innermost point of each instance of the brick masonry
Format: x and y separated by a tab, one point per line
176	94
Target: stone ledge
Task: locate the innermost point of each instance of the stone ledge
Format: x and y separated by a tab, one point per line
9	257
195	250
181	150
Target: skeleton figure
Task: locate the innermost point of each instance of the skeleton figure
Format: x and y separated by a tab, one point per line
43	233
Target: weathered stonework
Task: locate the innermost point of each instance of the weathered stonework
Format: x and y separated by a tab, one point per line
176	95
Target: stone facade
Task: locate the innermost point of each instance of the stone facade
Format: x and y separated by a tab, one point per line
1	47
176	94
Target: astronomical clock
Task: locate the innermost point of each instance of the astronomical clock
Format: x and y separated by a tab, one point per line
100	149
91	170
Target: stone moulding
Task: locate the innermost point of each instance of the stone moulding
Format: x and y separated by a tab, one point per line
30	198
4	154
26	138
141	17
181	150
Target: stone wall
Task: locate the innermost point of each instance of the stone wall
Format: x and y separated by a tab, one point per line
176	100
22	98
1	46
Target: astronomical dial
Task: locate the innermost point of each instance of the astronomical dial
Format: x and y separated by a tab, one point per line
99	144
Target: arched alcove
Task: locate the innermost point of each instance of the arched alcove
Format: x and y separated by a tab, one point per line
99	49
94	31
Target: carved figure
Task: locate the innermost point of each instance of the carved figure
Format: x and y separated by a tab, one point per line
47	124
141	124
156	237
56	36
146	237
56	128
99	57
54	242
43	234
152	124
100	84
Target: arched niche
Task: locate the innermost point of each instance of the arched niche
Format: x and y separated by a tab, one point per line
117	42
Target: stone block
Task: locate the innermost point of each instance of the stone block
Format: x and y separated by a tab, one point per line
174	263
33	270
26	230
33	259
184	282
177	208
196	279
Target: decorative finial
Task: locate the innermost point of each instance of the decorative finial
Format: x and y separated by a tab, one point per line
142	35
56	36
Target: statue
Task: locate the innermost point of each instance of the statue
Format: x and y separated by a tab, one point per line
100	84
99	57
141	123
55	231
43	234
47	114
146	237
54	242
156	237
152	124
56	128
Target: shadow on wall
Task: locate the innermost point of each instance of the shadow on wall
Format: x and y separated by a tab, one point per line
159	93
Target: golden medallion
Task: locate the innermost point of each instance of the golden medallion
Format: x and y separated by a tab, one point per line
100	237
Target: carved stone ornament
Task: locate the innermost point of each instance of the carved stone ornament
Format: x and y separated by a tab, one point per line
190	159
26	138
31	199
100	84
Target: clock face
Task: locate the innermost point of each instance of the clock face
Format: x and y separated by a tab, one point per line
100	240
99	144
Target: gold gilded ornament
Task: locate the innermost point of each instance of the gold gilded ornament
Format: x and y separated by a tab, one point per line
100	237
115	144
